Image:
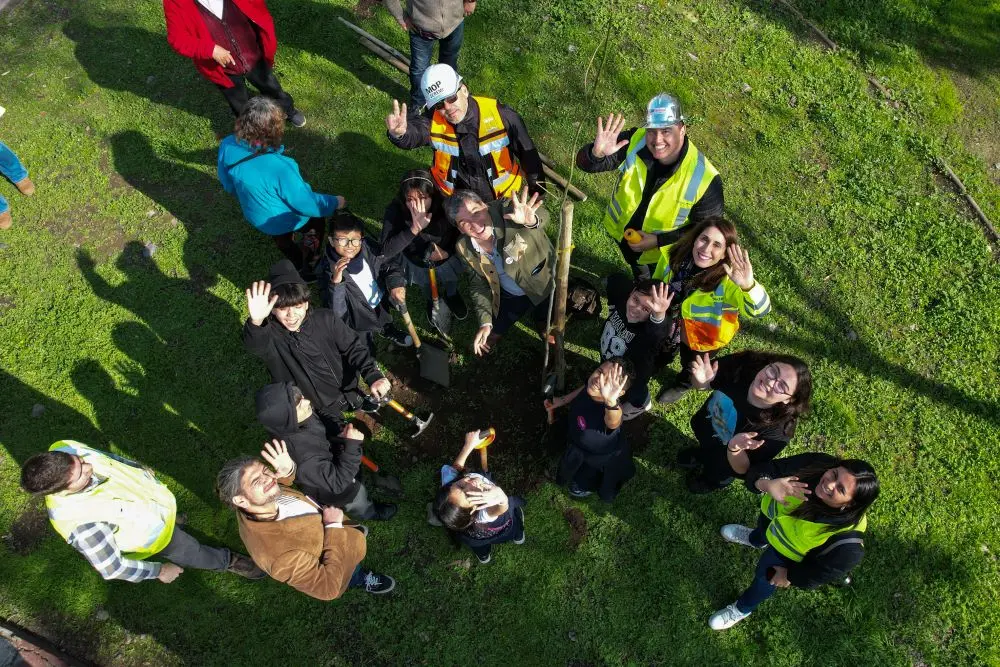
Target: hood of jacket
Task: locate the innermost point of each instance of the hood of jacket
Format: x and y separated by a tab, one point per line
276	409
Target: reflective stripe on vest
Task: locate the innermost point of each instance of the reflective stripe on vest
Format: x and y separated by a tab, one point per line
142	509
792	537
669	206
494	144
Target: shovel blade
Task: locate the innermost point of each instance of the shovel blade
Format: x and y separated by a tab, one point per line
440	316
434	365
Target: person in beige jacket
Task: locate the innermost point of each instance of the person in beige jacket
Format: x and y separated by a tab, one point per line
426	22
288	535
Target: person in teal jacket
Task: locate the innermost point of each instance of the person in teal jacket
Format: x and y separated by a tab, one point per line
272	193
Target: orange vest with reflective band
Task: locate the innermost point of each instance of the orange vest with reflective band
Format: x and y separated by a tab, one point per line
504	173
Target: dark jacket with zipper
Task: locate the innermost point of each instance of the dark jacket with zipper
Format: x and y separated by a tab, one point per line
837	556
348	301
321	358
398	238
326	465
527	255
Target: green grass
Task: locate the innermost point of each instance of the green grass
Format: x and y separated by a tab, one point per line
879	275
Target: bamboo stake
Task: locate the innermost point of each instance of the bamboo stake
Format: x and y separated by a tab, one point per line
376	41
385	55
563	256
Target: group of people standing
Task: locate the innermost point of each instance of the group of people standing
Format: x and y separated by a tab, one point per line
478	210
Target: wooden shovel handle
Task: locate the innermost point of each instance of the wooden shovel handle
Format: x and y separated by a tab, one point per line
484	460
434	283
408	321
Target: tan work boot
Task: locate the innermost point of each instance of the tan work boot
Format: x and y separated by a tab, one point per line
26	187
5	220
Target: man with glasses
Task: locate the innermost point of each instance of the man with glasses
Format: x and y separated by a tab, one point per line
478	143
118	515
664	183
359	285
511	257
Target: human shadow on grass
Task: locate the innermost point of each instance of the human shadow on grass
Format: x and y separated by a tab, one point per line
120	57
829	323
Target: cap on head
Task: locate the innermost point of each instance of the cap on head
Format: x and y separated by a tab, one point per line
438	82
663	111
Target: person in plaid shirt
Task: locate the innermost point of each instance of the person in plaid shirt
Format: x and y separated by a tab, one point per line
117	514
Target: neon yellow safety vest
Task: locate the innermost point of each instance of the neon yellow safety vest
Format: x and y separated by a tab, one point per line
142	509
709	320
670	205
792	537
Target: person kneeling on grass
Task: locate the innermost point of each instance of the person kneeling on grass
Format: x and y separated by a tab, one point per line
477	511
355	282
812	521
636	328
293	539
597	455
313	348
327	465
118	515
750	417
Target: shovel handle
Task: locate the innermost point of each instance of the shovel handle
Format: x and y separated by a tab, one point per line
434	282
484	460
368	463
400	409
408	321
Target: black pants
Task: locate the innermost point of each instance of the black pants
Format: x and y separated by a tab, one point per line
263	79
186	551
293	251
639	271
687	356
513	308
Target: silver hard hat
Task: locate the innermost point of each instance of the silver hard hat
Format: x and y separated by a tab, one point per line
663	111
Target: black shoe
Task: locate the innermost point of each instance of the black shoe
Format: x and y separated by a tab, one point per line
687	458
456	304
397	336
378	584
244	566
520	538
578	493
671	395
296	118
483	560
385	511
630	412
352	400
698	484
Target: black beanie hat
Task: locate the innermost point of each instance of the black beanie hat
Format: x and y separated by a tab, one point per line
276	408
284	273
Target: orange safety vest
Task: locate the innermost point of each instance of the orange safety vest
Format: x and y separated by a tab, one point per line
504	173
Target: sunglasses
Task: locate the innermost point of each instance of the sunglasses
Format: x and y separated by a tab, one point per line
449	100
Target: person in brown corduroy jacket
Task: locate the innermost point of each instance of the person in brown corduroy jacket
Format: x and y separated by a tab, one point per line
288	535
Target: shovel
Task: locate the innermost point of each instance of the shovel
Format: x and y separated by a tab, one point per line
440	315
383	481
372	405
433	360
486	438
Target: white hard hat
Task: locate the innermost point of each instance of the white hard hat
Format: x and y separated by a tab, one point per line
663	111
439	82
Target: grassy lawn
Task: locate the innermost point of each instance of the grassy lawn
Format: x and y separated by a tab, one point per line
121	298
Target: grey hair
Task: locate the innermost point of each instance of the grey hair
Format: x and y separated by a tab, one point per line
261	123
229	481
452	204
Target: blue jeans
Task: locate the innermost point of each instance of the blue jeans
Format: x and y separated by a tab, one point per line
421	50
761	588
12	168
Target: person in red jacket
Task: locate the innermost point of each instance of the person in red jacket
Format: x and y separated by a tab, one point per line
231	42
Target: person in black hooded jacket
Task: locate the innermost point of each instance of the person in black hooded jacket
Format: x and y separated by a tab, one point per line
311	347
360	286
326	466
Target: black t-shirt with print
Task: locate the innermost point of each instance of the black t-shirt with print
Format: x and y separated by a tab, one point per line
636	341
587	429
728	412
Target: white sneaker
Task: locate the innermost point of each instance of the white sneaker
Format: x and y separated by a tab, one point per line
726	617
737	534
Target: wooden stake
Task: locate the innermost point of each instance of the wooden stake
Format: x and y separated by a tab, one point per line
563	255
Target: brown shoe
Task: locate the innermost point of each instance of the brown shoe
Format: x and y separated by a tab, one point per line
26	187
5	220
244	566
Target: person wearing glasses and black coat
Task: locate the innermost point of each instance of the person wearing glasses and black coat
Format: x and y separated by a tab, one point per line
749	418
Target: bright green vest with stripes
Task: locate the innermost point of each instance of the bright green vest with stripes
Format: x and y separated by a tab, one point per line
792	537
670	205
142	509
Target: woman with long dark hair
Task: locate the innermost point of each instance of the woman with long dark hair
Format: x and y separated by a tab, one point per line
415	229
712	283
813	515
756	401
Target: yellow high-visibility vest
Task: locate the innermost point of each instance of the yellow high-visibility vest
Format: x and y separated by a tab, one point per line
142	509
792	537
670	205
494	145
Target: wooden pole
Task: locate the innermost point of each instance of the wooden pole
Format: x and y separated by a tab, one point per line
385	55
377	42
563	255
574	192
